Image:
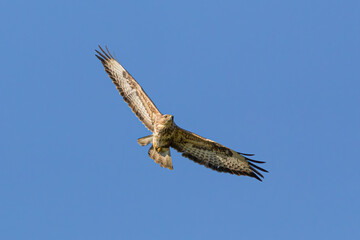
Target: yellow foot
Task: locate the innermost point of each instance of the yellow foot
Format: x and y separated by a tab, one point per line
158	149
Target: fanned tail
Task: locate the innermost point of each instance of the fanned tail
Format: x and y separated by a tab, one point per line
163	157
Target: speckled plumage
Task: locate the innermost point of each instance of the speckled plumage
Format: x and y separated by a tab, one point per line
167	134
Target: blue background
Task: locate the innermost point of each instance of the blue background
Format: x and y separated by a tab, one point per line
276	78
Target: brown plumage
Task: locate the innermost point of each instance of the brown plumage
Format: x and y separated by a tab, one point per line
133	94
167	134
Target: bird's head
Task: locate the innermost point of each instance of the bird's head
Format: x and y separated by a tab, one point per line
167	120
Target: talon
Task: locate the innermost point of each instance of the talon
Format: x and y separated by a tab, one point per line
158	149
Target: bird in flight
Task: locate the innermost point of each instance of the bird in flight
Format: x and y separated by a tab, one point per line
166	134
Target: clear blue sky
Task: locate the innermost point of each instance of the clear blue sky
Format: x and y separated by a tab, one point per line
280	79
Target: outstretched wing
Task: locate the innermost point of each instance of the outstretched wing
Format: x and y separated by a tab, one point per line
214	155
131	91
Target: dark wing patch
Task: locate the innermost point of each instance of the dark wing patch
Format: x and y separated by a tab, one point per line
214	155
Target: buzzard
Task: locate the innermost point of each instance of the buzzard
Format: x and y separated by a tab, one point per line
166	134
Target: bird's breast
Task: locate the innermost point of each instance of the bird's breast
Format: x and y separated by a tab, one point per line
163	137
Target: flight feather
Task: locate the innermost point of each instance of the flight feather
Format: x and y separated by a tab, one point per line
129	89
214	155
167	134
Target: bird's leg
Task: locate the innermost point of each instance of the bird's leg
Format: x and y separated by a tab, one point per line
158	149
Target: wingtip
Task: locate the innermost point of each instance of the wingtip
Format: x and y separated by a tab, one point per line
252	160
109	52
100	58
256	172
255	169
103	55
246	154
255	176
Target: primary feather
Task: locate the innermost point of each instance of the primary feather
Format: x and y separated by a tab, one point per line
131	91
167	134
